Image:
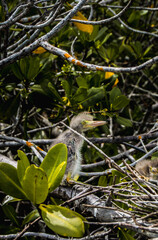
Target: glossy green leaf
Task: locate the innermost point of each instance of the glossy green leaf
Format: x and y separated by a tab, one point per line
124	121
31	217
23	163
120	102
35	184
54	164
63	221
10	213
9	181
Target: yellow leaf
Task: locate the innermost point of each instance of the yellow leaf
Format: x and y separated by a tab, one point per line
83	27
115	83
108	75
66	101
39	50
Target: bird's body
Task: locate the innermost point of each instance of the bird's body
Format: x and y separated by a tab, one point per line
148	168
74	142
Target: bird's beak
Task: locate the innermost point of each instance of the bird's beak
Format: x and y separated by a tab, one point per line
92	124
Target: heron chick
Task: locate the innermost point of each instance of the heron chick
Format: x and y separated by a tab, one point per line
148	168
80	123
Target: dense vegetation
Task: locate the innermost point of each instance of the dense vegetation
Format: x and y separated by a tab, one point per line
52	66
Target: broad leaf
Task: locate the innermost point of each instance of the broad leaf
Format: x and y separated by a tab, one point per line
54	164
35	184
124	121
34	67
9	181
23	163
114	93
94	96
63	221
120	102
80	95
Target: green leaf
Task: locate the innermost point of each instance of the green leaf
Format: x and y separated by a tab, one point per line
63	221
112	52
102	53
24	66
34	67
9	199
106	38
94	96
120	102
123	235
9	181
9	107
147	50
23	163
80	95
38	88
65	84
102	181
115	92
54	91
82	82
54	164
31	217
35	184
101	33
124	121
9	211
16	71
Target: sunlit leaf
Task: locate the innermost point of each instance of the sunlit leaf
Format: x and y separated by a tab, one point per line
115	83
108	75
63	221
82	27
23	163
9	181
54	164
39	50
35	184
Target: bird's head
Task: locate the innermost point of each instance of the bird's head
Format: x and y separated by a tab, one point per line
84	121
